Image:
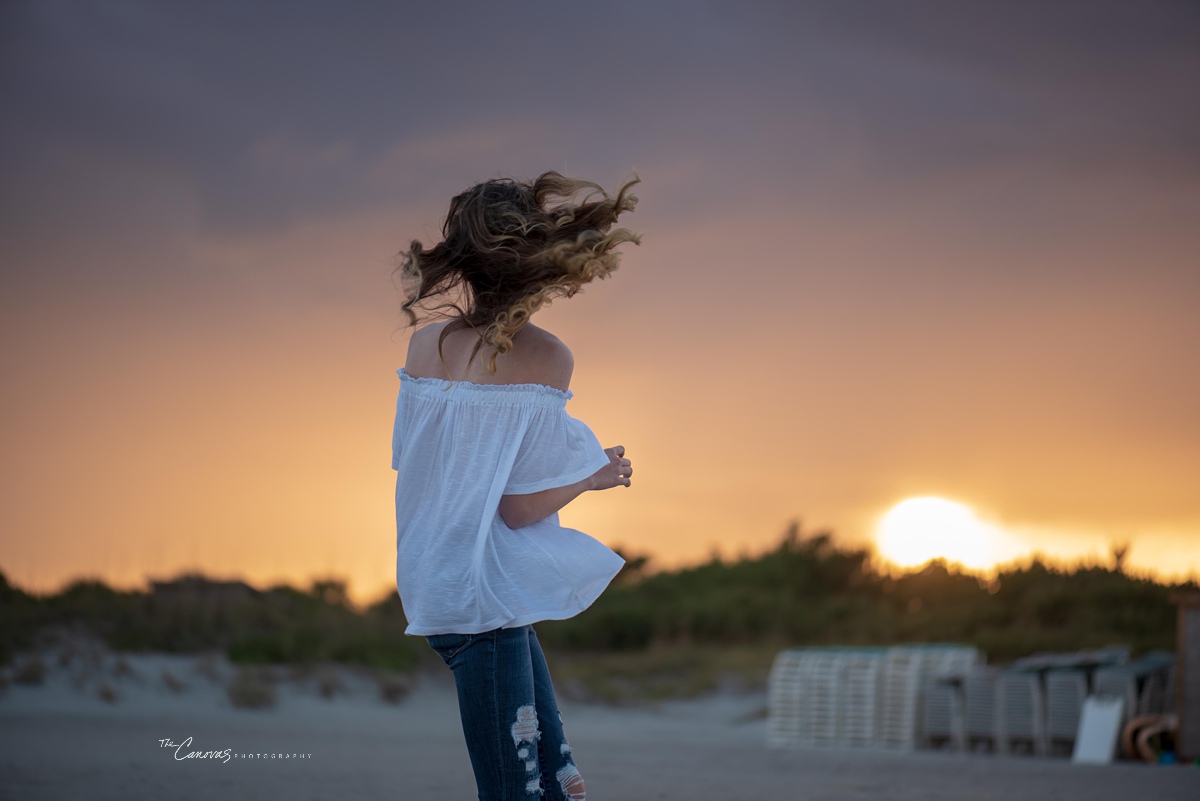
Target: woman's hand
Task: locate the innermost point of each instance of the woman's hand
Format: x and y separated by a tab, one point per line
616	473
522	510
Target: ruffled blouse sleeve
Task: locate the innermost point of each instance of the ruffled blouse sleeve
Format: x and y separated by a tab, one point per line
398	431
556	450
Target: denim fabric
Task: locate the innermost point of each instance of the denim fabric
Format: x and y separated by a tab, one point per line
510	719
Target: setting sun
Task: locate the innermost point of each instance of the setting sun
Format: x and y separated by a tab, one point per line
920	529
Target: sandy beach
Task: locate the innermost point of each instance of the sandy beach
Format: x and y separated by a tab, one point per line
61	740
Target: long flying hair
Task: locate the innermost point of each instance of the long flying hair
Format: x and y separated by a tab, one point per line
508	248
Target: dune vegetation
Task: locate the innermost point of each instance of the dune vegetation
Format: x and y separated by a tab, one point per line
692	628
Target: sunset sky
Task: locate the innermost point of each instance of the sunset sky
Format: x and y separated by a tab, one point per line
891	250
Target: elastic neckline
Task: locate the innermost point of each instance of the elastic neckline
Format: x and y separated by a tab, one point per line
473	386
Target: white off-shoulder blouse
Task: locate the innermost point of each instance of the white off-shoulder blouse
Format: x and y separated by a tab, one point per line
458	448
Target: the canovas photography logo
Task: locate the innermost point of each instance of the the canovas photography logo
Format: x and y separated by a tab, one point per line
185	750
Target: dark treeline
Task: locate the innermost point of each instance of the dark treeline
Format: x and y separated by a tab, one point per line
809	591
806	591
192	614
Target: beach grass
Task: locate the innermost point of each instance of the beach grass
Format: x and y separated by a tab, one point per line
662	672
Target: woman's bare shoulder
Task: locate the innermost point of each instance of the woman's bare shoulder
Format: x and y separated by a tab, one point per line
421	344
546	358
537	357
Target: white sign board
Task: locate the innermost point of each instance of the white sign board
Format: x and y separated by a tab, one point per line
1099	728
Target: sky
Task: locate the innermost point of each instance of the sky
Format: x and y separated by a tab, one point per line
889	251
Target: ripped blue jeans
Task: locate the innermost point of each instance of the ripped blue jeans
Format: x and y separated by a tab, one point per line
511	721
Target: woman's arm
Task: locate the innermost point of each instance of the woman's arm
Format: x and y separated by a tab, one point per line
523	510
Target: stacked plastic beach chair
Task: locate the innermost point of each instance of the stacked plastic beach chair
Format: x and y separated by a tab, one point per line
1035	704
979	706
1066	690
804	697
855	697
1020	711
1039	699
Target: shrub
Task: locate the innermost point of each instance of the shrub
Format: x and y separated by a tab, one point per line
251	689
173	684
328	683
393	687
206	666
31	671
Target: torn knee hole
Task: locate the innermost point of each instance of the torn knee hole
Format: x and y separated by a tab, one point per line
571	782
526	727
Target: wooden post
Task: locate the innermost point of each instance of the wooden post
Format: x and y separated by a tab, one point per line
1187	673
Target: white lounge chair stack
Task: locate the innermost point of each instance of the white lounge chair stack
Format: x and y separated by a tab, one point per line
825	698
934	694
858	714
979	692
941	715
908	672
804	696
904	670
1020	712
856	697
786	699
1066	690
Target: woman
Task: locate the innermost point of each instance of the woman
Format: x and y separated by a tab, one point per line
487	454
